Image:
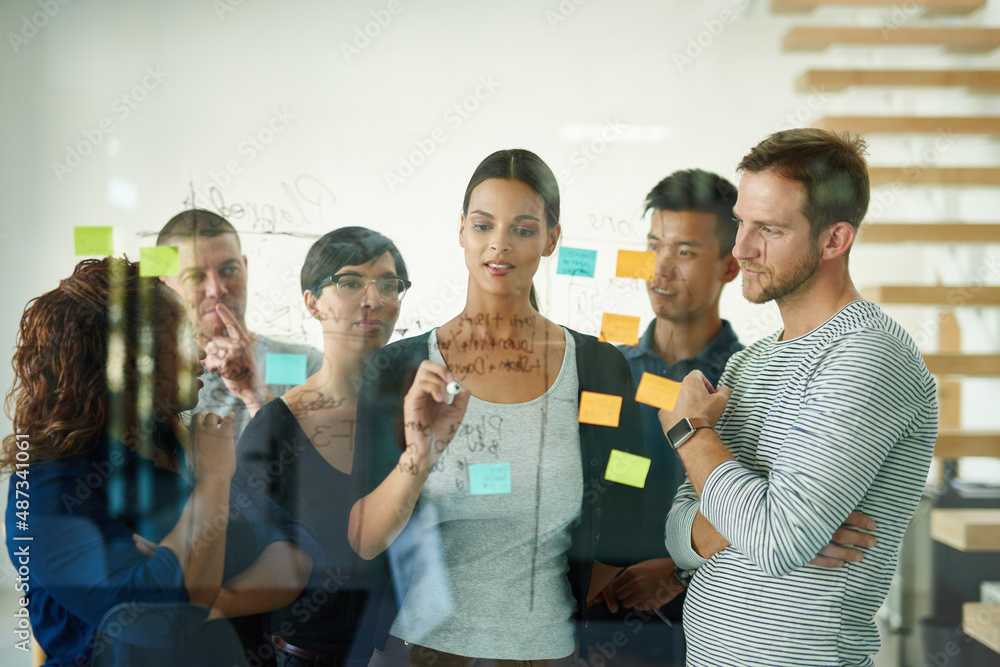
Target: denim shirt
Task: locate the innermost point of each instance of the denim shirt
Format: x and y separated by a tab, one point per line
666	473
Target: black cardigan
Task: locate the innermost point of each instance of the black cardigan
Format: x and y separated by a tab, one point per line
611	517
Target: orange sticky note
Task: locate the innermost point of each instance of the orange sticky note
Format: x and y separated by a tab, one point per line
600	409
658	392
626	468
639	264
620	329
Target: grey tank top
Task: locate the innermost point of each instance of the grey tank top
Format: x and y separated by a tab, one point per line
502	499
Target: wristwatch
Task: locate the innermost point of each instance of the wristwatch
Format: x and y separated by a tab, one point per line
684	429
684	576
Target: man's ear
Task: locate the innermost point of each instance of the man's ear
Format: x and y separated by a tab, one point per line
731	269
310	301
553	240
837	239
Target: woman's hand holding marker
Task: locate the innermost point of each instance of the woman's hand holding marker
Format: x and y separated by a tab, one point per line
453	388
432	410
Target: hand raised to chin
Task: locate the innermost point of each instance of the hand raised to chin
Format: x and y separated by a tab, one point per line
231	355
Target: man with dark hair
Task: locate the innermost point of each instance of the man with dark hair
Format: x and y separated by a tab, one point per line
213	283
832	416
692	232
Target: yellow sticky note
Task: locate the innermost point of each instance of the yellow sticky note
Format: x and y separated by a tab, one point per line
159	261
620	329
600	409
640	264
658	392
626	468
92	241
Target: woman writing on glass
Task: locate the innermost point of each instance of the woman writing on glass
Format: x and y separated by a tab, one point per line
496	510
299	449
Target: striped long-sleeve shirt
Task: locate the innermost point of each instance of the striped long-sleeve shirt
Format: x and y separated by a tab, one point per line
843	418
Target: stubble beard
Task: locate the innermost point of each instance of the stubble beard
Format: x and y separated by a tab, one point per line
801	273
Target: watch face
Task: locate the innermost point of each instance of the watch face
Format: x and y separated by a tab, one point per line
677	432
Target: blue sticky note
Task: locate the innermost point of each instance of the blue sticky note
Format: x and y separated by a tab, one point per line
488	478
577	262
285	369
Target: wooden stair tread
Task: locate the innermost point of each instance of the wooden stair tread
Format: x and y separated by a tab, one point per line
832	80
911	124
956	7
967	529
935	295
936	232
918	175
981	365
955	444
965	40
981	621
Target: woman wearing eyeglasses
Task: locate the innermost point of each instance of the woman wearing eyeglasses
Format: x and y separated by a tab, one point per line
298	449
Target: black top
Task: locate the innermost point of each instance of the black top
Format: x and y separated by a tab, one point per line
282	462
610	521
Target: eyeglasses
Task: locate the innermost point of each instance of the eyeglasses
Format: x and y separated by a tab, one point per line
351	287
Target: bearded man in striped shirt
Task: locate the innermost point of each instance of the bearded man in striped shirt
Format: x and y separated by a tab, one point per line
834	414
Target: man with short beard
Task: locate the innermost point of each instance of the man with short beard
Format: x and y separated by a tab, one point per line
834	415
213	283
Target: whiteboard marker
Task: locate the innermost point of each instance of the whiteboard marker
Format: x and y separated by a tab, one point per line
452	388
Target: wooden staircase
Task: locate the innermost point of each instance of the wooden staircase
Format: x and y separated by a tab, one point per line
938	232
931	7
954	40
834	80
972	529
935	295
911	124
931	175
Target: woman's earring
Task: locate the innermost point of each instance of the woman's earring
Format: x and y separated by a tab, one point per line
316	315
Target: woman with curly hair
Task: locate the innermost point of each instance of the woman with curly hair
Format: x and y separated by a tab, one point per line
131	525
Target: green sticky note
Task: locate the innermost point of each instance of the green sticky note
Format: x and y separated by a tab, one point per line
93	241
626	468
159	260
489	478
285	369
